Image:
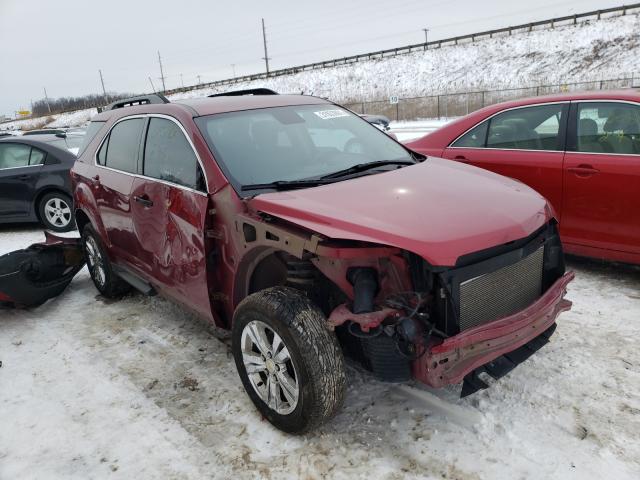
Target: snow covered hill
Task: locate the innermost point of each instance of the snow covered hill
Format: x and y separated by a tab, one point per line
593	50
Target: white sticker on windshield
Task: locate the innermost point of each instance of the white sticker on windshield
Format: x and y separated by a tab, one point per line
327	114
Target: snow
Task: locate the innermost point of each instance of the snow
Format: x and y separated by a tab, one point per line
590	51
139	388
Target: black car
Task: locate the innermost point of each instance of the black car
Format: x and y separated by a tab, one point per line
35	184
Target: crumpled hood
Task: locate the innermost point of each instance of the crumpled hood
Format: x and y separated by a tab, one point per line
438	209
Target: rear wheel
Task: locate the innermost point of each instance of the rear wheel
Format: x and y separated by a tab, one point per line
55	212
100	269
289	362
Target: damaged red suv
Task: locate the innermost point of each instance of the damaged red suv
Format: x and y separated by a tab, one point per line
312	235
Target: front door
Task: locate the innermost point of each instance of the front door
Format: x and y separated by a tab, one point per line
170	211
602	177
20	167
525	143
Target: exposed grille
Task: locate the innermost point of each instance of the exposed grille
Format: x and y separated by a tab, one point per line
502	292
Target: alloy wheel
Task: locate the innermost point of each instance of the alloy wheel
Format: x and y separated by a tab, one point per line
57	212
269	367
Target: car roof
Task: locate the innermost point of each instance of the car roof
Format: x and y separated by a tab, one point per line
213	105
630	94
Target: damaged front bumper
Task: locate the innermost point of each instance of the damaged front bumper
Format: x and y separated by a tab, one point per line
30	277
456	357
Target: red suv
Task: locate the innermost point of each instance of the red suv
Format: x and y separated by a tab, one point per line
312	234
579	150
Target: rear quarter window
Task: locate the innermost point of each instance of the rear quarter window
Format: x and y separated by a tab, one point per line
92	131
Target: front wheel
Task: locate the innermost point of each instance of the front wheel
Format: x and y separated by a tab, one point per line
289	362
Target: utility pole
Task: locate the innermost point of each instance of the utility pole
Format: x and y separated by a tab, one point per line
426	37
233	67
164	88
46	99
264	39
199	81
104	92
152	87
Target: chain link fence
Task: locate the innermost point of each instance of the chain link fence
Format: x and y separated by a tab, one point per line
458	104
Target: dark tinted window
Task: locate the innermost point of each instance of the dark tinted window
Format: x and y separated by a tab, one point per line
528	128
92	131
609	128
124	139
474	138
102	153
168	155
13	155
37	157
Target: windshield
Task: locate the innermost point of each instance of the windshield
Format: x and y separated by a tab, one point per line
294	143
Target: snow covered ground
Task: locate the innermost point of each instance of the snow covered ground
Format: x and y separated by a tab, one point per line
138	388
590	51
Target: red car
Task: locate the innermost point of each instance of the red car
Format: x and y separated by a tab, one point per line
580	150
309	232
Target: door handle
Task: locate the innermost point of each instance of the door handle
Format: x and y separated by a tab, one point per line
461	158
144	201
24	177
583	170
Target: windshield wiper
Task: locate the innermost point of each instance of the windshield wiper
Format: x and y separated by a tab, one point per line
284	185
361	167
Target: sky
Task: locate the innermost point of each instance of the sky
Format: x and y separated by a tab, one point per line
60	45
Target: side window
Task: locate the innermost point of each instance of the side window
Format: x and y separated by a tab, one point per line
37	157
474	138
102	153
92	131
168	155
122	149
608	127
527	128
13	155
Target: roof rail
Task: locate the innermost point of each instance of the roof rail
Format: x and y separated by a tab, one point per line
250	91
155	98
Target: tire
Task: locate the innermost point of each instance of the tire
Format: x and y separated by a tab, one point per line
315	364
56	212
100	269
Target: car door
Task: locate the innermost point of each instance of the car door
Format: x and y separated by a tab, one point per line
169	211
20	167
602	176
117	162
524	143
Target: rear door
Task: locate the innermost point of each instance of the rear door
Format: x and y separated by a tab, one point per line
117	162
525	143
169	210
602	177
20	167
